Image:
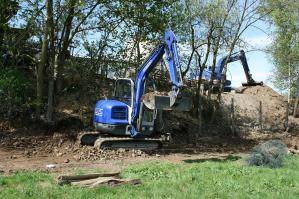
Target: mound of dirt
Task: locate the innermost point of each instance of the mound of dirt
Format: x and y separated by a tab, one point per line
258	105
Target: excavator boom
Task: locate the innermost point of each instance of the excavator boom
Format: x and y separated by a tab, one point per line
169	49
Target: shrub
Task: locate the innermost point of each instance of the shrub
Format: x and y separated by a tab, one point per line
269	154
13	92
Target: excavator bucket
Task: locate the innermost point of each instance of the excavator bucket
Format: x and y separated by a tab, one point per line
162	102
182	104
166	102
253	84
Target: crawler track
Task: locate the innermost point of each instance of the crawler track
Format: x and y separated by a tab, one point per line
106	142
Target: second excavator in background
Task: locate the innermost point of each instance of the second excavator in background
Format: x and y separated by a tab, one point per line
217	75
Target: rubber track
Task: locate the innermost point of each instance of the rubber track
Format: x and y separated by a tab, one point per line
95	139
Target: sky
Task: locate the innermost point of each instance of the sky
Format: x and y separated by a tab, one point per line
258	61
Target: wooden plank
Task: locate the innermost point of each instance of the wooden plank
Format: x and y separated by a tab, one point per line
68	179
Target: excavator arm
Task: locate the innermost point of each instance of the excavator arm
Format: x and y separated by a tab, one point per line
168	48
250	80
235	57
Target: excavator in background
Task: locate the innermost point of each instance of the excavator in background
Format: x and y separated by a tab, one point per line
129	119
218	73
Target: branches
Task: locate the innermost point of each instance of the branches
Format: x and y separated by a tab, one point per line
75	31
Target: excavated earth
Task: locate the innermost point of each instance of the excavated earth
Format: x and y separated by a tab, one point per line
59	151
260	105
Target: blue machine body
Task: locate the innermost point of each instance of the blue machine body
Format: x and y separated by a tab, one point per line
207	73
111	112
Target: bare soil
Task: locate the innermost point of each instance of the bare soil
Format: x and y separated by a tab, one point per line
35	152
260	105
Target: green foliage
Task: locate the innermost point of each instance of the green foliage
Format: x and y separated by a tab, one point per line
13	92
285	47
210	179
270	154
8	8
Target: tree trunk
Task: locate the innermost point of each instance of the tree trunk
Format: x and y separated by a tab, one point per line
297	99
138	57
290	82
191	56
65	44
1	42
41	67
50	107
3	25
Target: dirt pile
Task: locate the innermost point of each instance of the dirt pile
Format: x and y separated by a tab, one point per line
258	106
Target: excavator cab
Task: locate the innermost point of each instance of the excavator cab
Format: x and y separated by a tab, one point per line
124	90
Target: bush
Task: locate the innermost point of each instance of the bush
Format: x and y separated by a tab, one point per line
269	154
13	92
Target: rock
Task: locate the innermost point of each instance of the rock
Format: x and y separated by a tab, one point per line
51	166
139	152
59	154
121	150
16	144
66	161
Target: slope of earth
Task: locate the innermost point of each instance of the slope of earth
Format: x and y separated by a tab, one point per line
259	105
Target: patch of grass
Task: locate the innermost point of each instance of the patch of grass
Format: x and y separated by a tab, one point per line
210	179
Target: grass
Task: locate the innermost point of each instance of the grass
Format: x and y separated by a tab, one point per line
209	179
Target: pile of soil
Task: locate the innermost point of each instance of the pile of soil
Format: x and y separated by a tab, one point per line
248	103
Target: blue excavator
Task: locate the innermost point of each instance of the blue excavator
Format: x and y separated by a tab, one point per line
129	119
218	72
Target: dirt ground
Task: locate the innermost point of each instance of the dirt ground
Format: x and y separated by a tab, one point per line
38	152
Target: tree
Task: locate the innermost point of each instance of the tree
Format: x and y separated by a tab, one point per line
143	22
51	31
285	48
44	57
8	8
